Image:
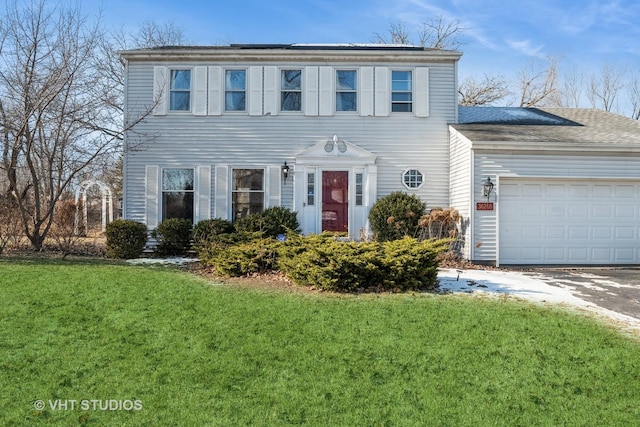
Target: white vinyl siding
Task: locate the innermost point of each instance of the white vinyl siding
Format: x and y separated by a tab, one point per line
182	140
460	186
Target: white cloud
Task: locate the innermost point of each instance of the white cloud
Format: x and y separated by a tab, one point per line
525	47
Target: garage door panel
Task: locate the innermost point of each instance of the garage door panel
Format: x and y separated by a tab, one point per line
601	211
581	211
601	233
625	211
576	232
625	191
579	190
600	190
627	255
625	233
531	190
555	190
568	222
554	232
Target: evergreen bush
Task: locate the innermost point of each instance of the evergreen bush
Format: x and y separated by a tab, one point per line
395	216
173	236
125	239
271	222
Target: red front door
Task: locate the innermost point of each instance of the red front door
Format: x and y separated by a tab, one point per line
335	201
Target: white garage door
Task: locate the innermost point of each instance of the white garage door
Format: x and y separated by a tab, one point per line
569	222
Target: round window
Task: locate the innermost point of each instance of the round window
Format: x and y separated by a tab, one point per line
412	178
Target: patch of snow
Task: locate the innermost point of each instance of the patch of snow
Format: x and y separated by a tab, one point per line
519	285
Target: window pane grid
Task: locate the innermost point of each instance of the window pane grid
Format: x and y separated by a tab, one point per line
413	178
291	90
311	189
359	189
235	95
177	193
346	90
247	192
180	90
401	91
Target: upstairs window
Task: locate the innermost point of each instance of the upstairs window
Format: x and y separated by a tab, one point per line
291	90
346	90
401	92
180	90
235	90
177	193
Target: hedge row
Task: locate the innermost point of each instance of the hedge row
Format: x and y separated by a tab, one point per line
323	262
127	239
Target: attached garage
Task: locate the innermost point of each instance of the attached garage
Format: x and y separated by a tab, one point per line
566	186
548	221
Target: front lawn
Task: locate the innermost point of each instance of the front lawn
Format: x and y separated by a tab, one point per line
193	353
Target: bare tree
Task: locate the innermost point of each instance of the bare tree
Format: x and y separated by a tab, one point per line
57	115
604	87
482	92
634	95
571	90
397	33
153	34
437	33
536	83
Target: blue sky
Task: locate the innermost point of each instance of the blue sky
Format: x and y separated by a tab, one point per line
501	35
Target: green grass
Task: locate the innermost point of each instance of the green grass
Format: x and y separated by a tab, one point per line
198	354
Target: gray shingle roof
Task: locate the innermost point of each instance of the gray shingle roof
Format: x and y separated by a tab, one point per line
562	125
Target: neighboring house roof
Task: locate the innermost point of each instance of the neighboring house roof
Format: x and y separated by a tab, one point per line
560	128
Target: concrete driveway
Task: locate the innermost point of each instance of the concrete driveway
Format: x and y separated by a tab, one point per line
615	289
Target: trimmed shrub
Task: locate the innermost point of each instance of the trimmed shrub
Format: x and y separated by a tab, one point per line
396	216
209	231
328	264
245	258
271	222
125	239
411	264
173	236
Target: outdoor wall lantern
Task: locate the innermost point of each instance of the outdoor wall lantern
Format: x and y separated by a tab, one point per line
285	172
487	188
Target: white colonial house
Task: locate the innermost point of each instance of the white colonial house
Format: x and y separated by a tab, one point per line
326	130
323	130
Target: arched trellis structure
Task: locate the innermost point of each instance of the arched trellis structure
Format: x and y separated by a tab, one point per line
107	203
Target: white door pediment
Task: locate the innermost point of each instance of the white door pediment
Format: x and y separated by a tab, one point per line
334	150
